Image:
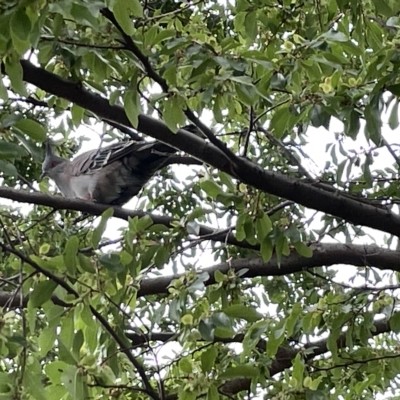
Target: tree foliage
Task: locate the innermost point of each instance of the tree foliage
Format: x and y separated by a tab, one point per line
258	272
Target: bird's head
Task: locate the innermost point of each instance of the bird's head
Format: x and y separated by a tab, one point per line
52	164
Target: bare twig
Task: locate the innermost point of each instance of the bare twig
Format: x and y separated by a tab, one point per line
391	151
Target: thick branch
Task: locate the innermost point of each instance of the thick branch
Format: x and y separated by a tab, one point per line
64	203
248	172
323	255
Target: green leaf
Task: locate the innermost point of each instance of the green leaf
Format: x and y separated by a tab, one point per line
44	248
14	71
85	263
162	256
293	318
144	223
274	341
279	122
7	168
206	329
42	292
246	94
164	34
187	319
70	252
3	90
173	114
394	322
73	380
186	395
211	188
266	249
136	8
32	128
132	106
335	36
33	384
46	340
373	121
83	15
112	262
319	117
352	124
219	276
298	370
77	114
98	232
263	226
250	24
303	249
382	7
394	115
54	371
185	366
11	150
244	312
208	358
240	231
253	335
21	24
212	393
122	15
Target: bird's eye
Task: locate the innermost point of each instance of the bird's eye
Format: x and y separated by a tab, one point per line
53	164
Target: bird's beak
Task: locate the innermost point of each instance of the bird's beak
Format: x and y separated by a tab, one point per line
42	175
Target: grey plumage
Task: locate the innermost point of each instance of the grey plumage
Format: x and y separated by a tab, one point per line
110	175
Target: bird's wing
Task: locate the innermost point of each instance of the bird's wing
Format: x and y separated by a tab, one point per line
94	160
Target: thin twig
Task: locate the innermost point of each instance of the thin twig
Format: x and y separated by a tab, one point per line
178	11
80	44
127	352
38	268
131	46
390	150
27	183
248	133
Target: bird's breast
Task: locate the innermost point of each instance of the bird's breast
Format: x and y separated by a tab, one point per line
82	186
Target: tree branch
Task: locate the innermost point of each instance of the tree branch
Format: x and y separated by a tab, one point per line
139	367
64	203
131	46
277	184
323	255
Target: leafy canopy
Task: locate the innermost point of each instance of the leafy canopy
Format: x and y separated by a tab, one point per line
224	282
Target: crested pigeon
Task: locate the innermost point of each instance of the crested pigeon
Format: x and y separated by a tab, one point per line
110	175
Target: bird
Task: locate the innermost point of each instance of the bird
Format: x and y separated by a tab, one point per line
110	175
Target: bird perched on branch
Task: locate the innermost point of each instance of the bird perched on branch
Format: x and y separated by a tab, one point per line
109	175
